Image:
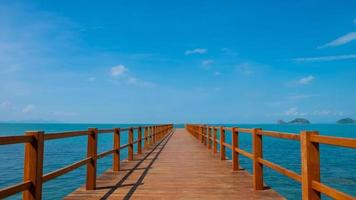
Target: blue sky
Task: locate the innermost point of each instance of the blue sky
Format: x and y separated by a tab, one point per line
182	61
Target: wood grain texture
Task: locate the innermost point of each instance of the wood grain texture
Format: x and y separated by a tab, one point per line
182	169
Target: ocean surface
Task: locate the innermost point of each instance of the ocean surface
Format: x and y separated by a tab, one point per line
338	164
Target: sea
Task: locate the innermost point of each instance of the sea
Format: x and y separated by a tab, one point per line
338	164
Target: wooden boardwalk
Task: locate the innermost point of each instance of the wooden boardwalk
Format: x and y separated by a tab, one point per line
179	167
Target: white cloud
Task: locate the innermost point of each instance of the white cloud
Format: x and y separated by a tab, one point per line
196	51
306	80
118	70
29	108
137	82
302	96
349	37
5	105
244	68
325	58
294	112
207	64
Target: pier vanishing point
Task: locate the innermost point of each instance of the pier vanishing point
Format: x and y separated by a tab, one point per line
169	163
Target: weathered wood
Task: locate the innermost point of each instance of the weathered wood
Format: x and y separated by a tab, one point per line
130	150
222	146
184	169
116	157
92	148
145	142
257	153
310	165
33	165
215	144
139	144
235	144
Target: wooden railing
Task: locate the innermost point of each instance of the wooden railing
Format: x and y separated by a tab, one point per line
310	156
34	148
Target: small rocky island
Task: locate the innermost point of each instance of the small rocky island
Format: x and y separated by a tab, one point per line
346	121
295	121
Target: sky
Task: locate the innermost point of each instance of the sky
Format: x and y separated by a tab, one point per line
177	61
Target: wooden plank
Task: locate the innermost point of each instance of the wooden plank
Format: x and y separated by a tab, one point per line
275	134
64	170
53	136
331	192
235	144
192	172
4	140
222	146
8	191
336	141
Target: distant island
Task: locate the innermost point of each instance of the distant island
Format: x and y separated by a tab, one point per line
346	121
295	121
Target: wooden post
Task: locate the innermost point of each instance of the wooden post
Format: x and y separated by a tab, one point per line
215	144
145	143
205	136
257	153
116	157
235	144
222	146
91	153
209	138
139	137
310	165
33	165
130	148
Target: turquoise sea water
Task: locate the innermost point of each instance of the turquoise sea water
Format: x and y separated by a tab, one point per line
338	165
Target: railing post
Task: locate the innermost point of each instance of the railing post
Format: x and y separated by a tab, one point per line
205	135
215	144
209	138
310	165
257	153
91	153
139	143
33	165
130	148
145	143
235	144
116	157
222	146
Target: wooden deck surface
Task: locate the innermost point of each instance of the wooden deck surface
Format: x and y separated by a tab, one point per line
178	168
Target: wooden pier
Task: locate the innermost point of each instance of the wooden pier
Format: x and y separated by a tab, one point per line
170	163
177	168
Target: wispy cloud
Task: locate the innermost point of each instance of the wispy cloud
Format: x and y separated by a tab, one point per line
244	69
294	112
195	51
354	21
29	108
325	58
118	70
349	37
306	80
121	76
302	96
206	64
216	73
5	105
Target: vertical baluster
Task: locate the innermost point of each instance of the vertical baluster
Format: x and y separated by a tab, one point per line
235	144
310	165
209	138
33	165
215	144
139	138
130	148
145	143
222	146
257	153
91	153
116	157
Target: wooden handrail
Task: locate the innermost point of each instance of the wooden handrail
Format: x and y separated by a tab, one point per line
34	147
310	156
